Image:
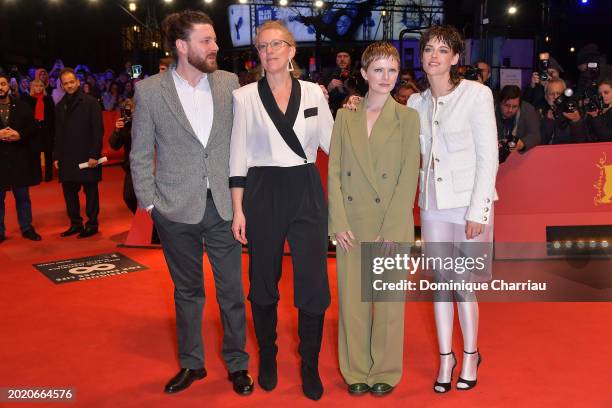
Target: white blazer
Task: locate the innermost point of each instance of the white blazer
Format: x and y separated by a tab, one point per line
257	142
459	140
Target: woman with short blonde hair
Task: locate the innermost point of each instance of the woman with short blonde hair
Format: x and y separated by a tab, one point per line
44	117
372	181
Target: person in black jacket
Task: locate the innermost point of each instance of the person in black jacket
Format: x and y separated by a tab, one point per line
17	170
534	93
44	118
122	137
600	121
561	127
78	139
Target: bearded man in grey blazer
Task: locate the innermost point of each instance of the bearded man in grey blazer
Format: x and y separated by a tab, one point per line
180	167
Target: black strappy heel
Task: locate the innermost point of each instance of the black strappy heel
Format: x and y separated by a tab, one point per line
470	383
446	386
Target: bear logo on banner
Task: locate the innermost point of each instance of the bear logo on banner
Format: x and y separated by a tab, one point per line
603	185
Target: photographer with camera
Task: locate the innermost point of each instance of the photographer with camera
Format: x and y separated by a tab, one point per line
122	137
561	119
518	125
599	117
335	80
549	69
484	73
593	68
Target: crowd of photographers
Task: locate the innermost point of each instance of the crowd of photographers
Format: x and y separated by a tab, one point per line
552	110
549	110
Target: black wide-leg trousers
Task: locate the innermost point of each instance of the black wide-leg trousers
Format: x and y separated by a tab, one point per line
287	203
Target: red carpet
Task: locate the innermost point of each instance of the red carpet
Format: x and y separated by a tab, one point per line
113	339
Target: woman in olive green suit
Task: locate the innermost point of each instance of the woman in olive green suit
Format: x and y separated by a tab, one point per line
372	180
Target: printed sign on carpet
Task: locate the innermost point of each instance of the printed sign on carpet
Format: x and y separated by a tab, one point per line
91	267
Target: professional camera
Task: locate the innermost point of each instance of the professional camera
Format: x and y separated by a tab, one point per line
505	148
544	65
593	70
126	115
565	103
594	103
506	145
343	75
470	72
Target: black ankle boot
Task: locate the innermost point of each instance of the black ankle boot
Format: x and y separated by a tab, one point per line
310	330
265	318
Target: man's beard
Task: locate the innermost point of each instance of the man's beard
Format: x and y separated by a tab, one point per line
4	95
202	64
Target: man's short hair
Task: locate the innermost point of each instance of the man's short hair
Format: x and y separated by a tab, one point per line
178	26
3	75
554	81
65	71
509	92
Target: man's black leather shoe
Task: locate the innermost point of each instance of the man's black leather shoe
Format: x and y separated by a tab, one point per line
183	379
31	235
88	232
242	382
74	229
380	389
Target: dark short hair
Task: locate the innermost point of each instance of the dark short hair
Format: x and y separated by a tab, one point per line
178	26
65	71
3	75
509	92
605	81
450	36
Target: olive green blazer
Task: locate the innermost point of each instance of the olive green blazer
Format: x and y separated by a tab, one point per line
372	182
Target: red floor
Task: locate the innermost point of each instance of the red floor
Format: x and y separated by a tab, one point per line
113	339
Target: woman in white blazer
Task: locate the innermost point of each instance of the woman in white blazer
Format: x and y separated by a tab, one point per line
459	161
279	123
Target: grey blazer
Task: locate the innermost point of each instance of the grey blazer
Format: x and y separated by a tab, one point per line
169	164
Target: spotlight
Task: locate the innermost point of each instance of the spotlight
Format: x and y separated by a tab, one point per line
167	54
604	244
132	6
318	3
384	13
572	49
547	39
282	3
568	244
167	1
580	244
418	243
512	10
593	244
242	1
556	244
208	1
334	242
584	1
